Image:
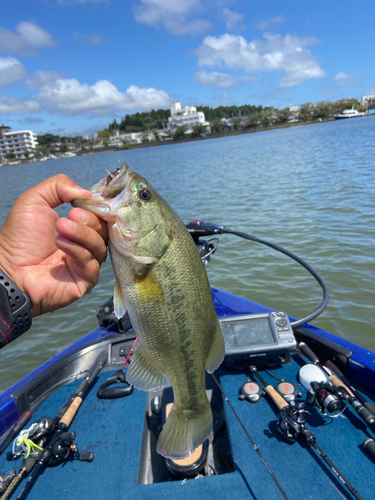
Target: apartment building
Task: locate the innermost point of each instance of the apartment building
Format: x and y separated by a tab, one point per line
187	117
16	142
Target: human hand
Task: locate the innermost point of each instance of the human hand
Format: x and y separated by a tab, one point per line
54	260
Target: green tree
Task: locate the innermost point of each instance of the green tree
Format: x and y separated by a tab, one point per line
106	143
10	156
253	121
26	153
198	130
283	115
305	111
324	109
179	133
41	150
45	139
105	134
216	126
63	148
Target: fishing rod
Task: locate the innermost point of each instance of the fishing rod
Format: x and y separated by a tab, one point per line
291	425
15	430
250	438
335	369
58	442
364	412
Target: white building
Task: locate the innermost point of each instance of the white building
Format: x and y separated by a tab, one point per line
131	138
16	142
187	117
367	99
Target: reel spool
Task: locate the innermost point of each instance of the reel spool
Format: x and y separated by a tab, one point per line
326	396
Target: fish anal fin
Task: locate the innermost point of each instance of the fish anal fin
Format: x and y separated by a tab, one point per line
118	301
143	373
217	349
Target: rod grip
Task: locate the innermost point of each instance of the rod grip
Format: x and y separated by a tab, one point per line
71	411
276	398
369	406
369	445
339	383
308	352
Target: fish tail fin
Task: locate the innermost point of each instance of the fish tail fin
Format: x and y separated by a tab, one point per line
181	434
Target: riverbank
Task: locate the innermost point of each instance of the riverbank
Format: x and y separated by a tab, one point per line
218	135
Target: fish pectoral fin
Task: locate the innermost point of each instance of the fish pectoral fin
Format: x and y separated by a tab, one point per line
118	301
217	349
143	373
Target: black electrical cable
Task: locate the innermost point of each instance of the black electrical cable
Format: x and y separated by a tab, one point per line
324	302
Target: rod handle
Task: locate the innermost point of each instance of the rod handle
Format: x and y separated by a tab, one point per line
276	397
369	445
308	352
339	383
70	412
369	406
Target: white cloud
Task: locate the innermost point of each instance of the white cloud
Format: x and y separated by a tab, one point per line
10	71
68	96
264	25
218	79
173	15
41	78
274	53
29	37
347	78
93	39
10	105
232	19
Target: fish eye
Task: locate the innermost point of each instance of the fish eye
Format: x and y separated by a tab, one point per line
144	194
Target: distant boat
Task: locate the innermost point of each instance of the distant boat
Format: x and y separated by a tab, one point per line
349	113
68	154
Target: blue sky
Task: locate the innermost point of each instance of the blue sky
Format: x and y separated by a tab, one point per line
72	66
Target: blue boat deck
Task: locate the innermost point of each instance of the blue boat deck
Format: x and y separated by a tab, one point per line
113	430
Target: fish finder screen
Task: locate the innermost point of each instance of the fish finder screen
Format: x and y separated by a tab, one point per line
250	333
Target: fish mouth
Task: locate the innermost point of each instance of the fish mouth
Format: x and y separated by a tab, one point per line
104	191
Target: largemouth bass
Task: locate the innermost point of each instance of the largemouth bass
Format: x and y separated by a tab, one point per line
162	283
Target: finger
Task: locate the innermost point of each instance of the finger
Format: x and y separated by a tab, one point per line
84	236
91	220
55	191
82	261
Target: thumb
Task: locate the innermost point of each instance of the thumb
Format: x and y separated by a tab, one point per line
55	191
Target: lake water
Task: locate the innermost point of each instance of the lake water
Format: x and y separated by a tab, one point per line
310	189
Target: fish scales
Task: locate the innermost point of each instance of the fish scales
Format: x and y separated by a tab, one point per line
162	283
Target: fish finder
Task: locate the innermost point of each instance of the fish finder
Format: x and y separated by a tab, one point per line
261	337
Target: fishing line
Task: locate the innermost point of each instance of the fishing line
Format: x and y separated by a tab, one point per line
251	440
128	356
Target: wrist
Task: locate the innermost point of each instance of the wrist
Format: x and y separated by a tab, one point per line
18	304
6	265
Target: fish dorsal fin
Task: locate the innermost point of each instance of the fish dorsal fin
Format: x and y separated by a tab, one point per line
118	301
217	349
143	373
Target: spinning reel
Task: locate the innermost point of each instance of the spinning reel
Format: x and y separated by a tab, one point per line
330	400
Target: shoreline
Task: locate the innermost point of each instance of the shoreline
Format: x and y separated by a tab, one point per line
111	149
